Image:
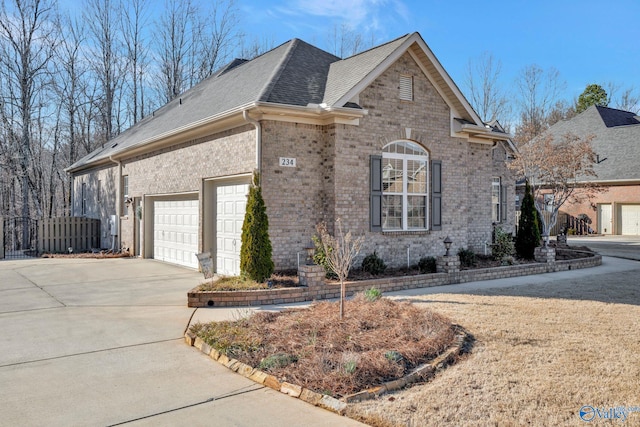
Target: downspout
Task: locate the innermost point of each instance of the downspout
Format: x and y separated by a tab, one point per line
258	127
118	200
119	187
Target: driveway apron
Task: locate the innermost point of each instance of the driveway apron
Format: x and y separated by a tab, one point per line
100	342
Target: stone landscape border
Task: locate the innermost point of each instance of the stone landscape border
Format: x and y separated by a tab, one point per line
314	287
339	406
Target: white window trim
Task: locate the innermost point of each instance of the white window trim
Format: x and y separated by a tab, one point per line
499	213
125	194
405	194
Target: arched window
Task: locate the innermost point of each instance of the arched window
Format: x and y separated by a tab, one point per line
404	186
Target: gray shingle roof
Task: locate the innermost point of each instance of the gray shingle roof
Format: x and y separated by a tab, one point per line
294	73
237	84
302	76
616	140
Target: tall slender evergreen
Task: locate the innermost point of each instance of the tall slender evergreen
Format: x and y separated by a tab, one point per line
255	252
528	237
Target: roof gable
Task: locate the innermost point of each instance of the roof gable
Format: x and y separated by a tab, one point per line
346	74
350	76
616	140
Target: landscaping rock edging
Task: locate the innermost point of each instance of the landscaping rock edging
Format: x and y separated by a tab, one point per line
324	401
317	289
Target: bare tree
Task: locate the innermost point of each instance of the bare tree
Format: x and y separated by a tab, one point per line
538	93
345	42
103	17
174	46
627	99
340	252
558	171
215	38
255	47
135	19
70	86
484	90
28	40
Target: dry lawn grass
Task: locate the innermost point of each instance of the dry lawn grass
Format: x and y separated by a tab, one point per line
377	341
541	353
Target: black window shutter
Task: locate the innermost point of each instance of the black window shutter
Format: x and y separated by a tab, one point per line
436	195
375	202
503	202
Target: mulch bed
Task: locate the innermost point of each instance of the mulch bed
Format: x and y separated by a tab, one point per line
90	255
377	341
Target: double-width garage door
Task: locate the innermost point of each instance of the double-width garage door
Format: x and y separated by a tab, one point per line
175	231
630	219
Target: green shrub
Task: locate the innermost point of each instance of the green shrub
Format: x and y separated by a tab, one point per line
320	257
467	257
372	294
503	246
373	264
528	237
255	252
427	265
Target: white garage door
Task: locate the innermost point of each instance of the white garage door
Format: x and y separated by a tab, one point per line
630	219
231	201
175	231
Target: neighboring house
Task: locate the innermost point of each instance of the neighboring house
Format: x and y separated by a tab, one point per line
384	140
616	143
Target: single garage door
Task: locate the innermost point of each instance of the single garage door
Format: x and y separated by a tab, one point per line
231	201
630	219
175	231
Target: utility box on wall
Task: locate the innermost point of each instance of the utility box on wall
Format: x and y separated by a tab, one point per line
113	225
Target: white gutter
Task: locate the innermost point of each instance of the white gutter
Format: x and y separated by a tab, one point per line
245	115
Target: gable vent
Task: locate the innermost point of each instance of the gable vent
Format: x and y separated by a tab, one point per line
406	88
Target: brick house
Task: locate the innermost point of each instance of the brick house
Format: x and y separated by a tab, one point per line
616	142
384	140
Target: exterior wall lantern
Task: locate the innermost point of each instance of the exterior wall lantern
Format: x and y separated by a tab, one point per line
310	249
447	245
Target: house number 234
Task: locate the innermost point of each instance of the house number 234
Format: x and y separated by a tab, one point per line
288	162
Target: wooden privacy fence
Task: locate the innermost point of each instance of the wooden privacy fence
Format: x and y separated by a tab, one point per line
57	235
565	224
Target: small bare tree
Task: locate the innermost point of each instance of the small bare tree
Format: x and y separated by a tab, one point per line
340	251
484	89
558	171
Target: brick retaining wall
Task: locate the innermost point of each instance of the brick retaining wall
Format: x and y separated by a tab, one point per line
317	289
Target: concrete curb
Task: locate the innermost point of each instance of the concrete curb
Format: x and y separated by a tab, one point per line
339	406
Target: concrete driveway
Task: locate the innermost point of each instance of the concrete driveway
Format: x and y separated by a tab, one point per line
100	342
626	247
